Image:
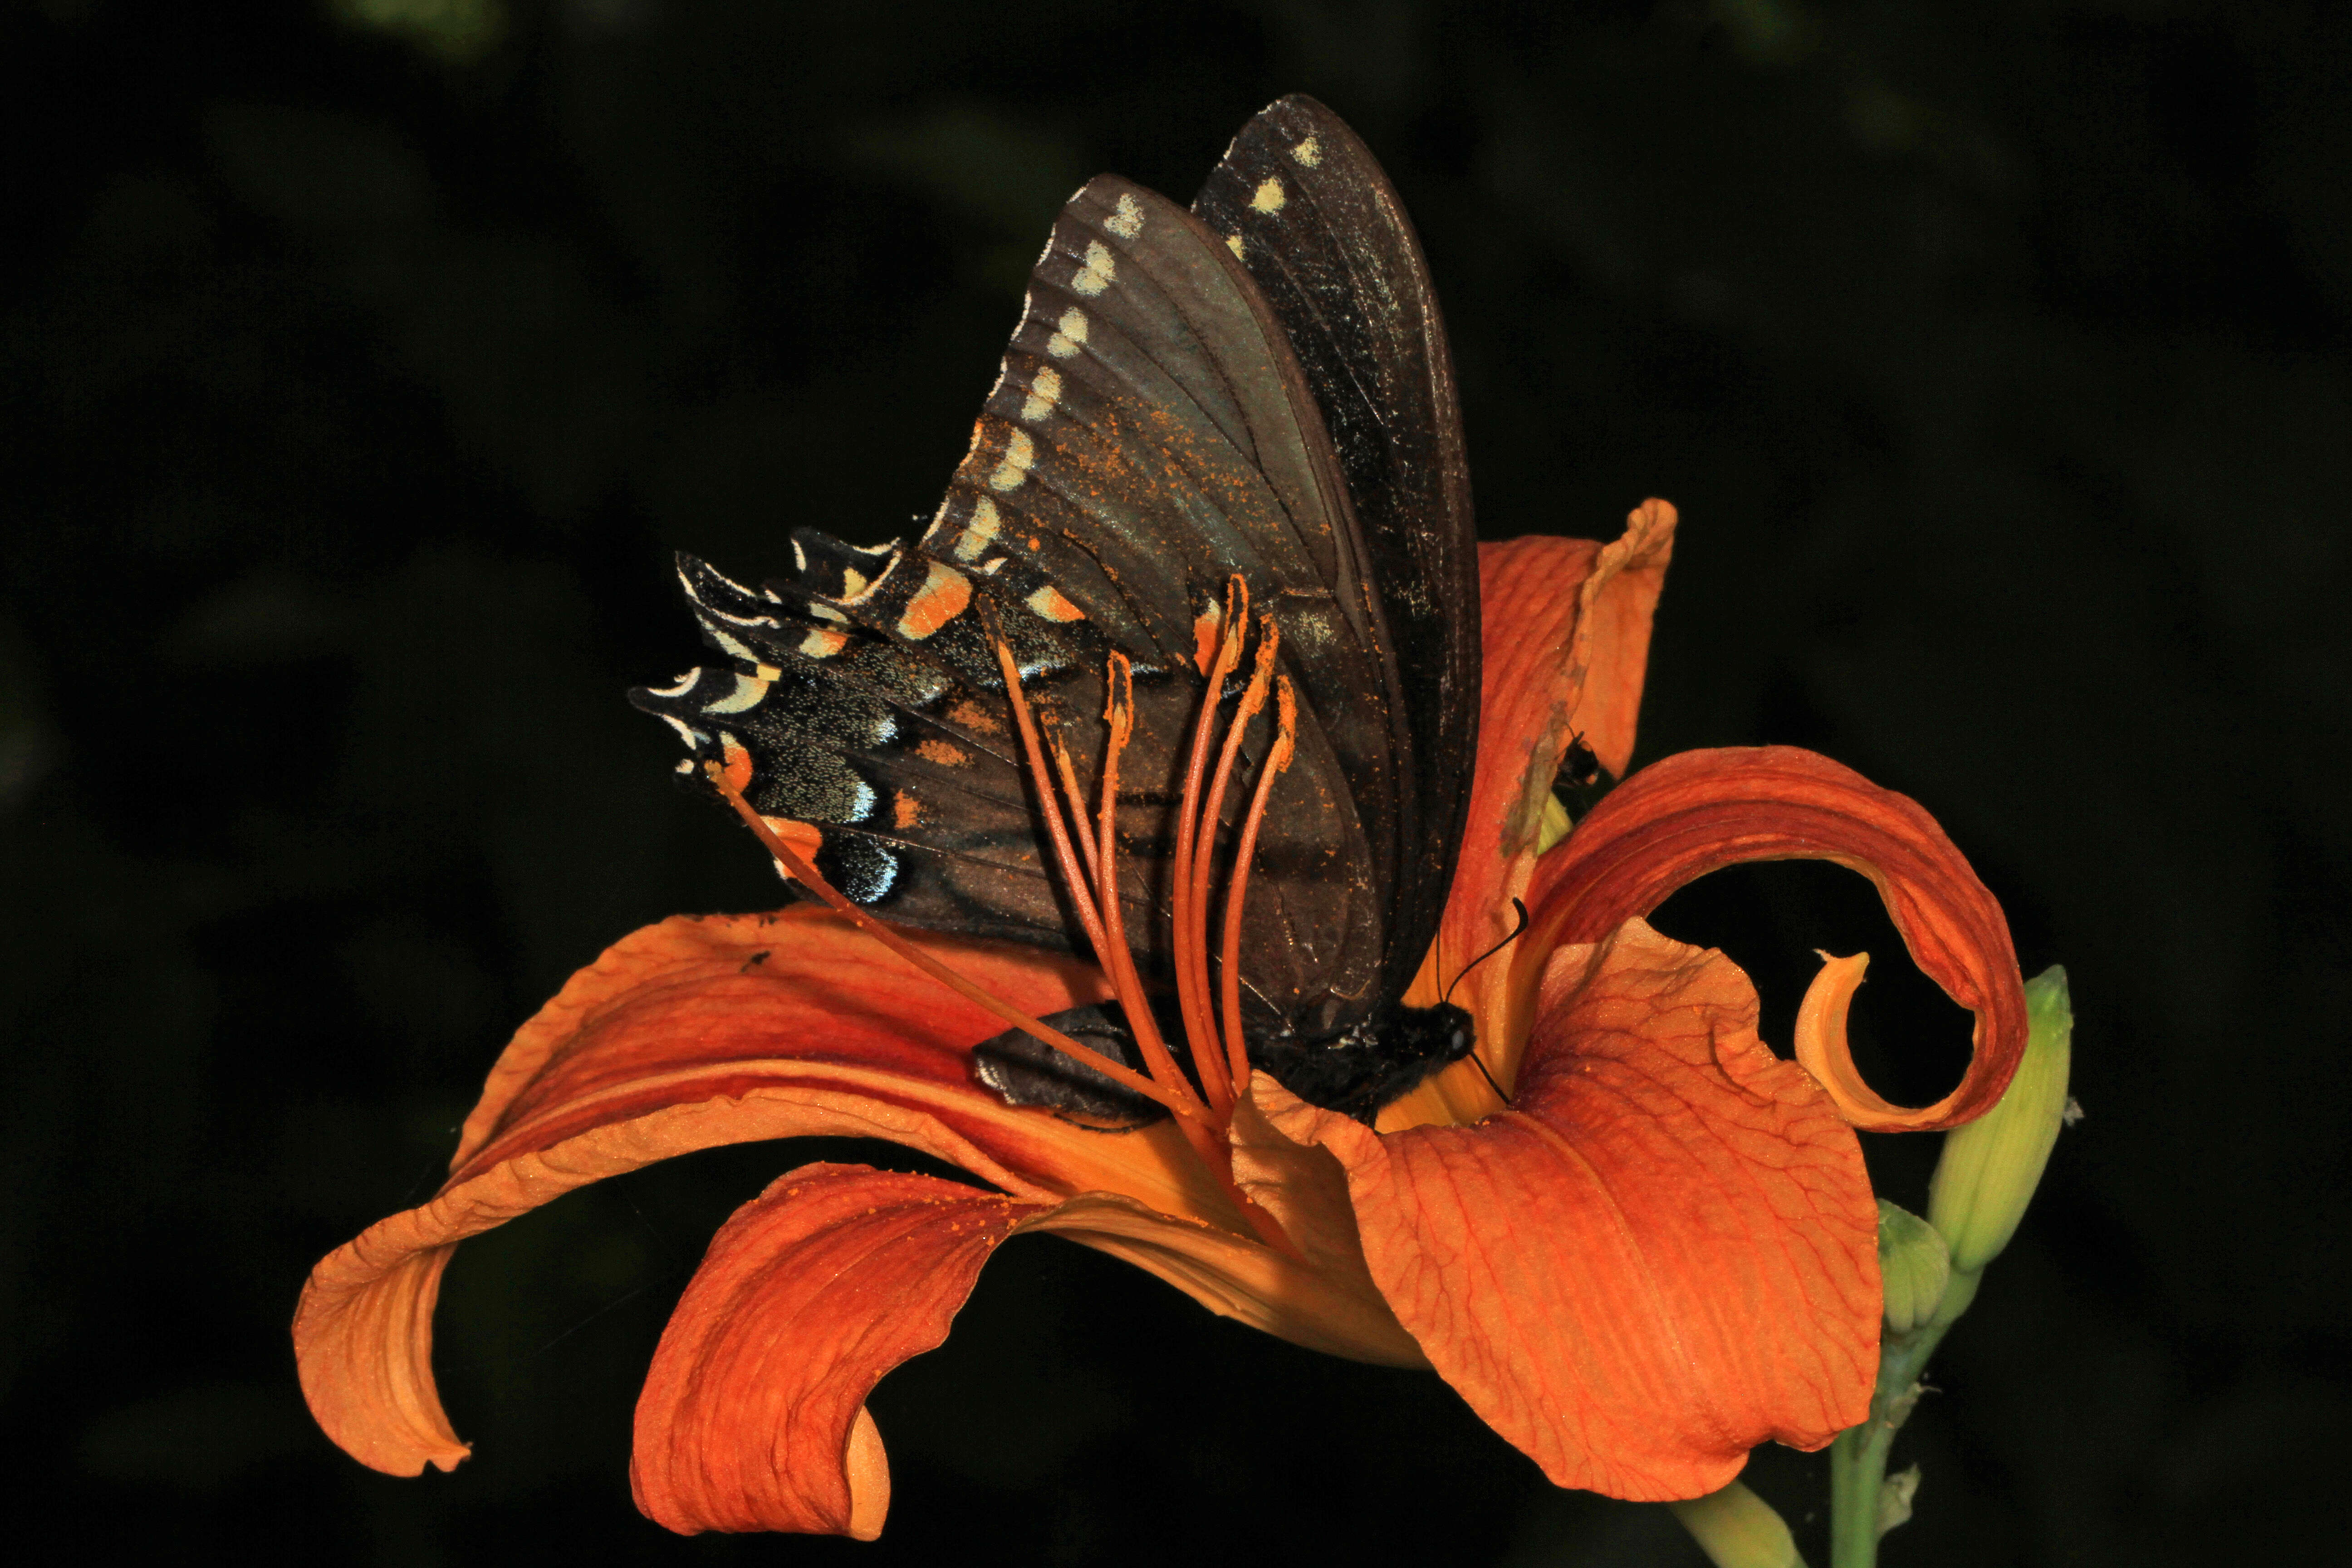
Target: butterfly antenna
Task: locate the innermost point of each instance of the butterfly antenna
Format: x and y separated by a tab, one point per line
1500	1092
1516	932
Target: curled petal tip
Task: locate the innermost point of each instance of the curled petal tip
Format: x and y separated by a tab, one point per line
1697	812
1823	1049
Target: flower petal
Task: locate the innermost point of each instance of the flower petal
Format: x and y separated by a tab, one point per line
668	1011
1235	1277
1697	812
1565	644
753	1416
1664	1253
684	1035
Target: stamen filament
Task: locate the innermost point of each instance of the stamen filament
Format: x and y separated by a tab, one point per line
1099	912
1205	846
1118	958
1187	1109
1095	896
1075	799
1230	969
1058	834
1188	914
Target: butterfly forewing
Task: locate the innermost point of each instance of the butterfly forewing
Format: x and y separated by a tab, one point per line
1307	210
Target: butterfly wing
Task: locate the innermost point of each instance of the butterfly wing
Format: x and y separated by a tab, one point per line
1301	201
1150	434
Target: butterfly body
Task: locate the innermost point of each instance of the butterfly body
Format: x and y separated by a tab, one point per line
1245	409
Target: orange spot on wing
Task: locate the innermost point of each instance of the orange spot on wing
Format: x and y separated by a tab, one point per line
940	599
1050	605
904	810
806	837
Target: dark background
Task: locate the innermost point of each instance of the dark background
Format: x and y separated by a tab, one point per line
361	363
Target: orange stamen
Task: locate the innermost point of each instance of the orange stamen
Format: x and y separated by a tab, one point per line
1058	834
1119	958
1076	799
1188	1110
1093	895
1230	971
1212	817
1189	914
1100	913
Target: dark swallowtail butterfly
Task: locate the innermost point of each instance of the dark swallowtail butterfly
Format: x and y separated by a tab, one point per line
1257	389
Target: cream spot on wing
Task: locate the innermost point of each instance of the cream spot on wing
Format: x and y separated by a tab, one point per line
980	532
748	691
1020	451
1045	391
827	613
1048	604
1234	244
822	643
1128	221
768	672
855	585
941	598
689	679
738	620
1071	331
688	733
1099	272
994	567
1268	197
1308	152
731	645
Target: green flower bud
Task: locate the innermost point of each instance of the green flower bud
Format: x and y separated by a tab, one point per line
1990	1167
1915	1266
1737	1529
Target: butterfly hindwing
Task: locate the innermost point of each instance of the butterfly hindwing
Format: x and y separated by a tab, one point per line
1149	437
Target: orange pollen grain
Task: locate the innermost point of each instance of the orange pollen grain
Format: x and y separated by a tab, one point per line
972	716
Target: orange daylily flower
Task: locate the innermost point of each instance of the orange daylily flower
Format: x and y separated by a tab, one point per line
1658	1253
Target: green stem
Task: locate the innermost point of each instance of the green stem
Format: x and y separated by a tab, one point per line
1857	1469
1858	1456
